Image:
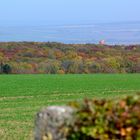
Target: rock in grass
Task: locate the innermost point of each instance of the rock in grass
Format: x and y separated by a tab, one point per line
52	123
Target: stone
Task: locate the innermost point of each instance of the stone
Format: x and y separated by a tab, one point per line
52	123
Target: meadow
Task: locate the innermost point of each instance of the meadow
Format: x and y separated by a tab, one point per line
22	96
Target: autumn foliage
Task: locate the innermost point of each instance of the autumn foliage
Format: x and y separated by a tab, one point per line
107	120
58	58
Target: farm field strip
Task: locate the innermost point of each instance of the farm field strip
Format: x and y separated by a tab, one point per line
67	94
22	96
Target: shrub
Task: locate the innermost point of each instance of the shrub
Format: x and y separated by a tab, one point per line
106	120
6	68
1	65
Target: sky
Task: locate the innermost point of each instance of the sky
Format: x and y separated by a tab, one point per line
53	12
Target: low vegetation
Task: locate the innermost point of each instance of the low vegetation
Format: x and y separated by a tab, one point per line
58	58
22	96
106	119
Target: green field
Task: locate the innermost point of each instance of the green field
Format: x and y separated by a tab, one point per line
21	96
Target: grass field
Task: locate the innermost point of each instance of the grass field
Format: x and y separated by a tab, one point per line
21	96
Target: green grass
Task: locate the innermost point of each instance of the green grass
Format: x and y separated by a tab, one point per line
21	96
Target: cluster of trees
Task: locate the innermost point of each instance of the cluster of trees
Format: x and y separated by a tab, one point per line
53	58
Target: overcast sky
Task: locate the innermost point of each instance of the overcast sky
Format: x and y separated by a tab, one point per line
34	12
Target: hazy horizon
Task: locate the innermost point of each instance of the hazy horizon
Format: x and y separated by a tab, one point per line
112	33
117	22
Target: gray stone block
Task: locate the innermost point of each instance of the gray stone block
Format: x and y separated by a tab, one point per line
52	123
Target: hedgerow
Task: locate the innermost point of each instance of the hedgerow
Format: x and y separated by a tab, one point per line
106	119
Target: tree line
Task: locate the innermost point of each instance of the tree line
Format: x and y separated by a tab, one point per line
59	58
